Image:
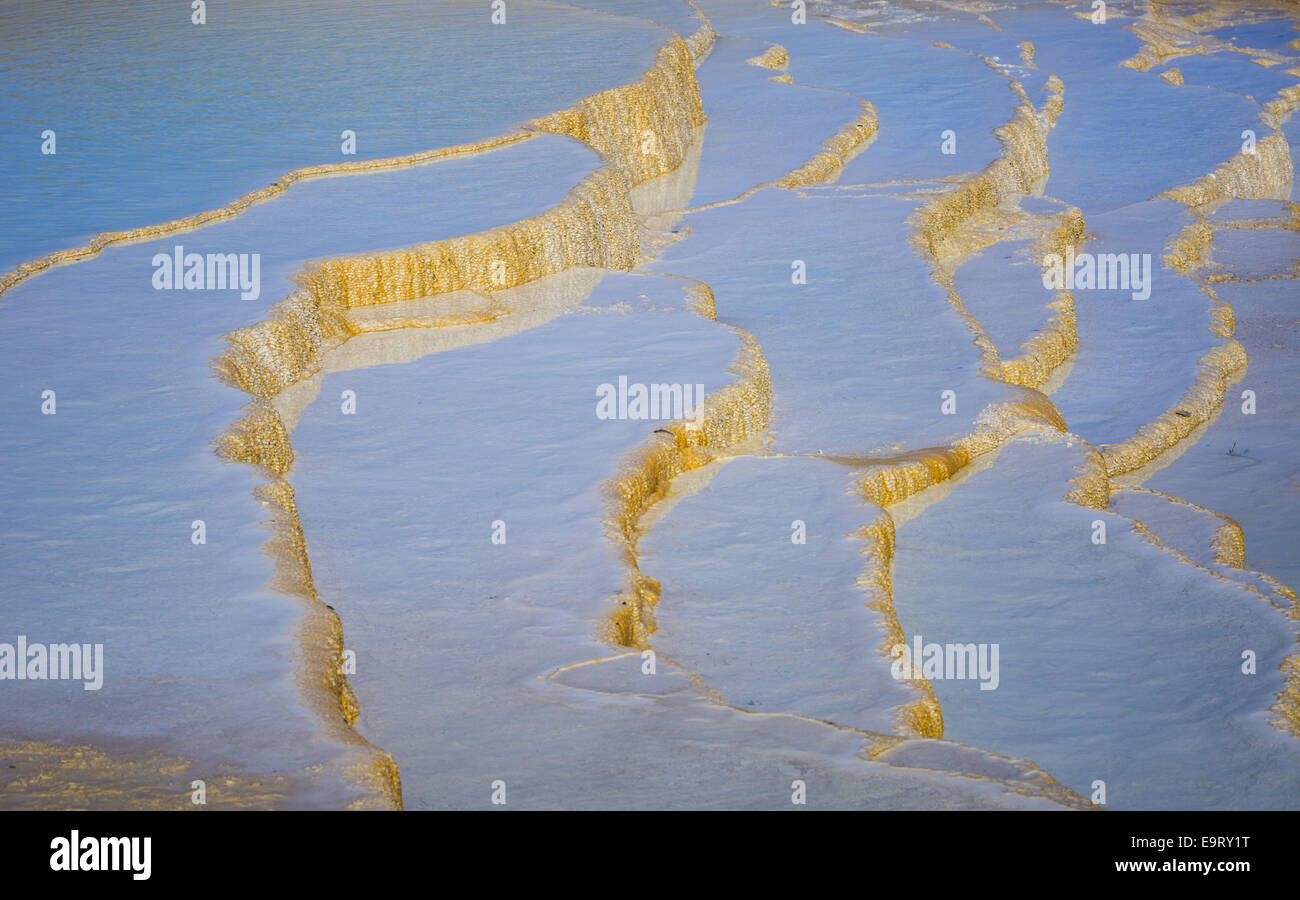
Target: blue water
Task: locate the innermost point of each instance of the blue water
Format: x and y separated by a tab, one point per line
156	117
